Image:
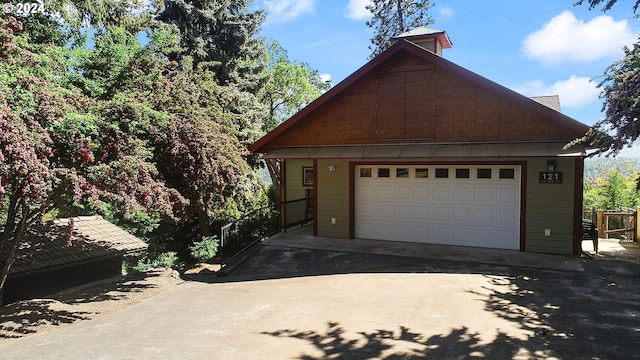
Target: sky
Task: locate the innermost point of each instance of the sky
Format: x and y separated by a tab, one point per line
534	47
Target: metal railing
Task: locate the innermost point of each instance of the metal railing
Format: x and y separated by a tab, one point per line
259	224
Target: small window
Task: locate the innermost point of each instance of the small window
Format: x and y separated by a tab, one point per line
307	176
422	173
442	173
384	172
365	172
402	173
484	173
507	174
462	173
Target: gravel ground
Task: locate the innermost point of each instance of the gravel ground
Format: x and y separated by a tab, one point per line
28	317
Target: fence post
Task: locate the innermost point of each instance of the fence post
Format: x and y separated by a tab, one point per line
600	224
635	225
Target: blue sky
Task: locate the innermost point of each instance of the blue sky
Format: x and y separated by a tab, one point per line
535	47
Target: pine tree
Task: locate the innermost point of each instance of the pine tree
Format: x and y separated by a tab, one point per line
221	33
393	17
221	36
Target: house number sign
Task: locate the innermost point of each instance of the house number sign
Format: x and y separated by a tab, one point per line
550	177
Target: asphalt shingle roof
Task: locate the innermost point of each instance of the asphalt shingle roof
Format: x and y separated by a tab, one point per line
48	244
550	101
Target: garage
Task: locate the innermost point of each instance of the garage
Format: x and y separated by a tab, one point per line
466	205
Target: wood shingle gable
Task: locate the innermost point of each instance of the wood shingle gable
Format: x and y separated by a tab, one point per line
410	95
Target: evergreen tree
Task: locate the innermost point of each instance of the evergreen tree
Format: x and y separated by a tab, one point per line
221	36
394	17
221	33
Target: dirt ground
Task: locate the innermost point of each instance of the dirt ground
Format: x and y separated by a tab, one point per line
28	317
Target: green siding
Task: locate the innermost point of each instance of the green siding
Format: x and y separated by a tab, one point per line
550	206
295	190
333	198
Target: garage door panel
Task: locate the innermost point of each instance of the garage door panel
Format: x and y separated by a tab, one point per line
462	214
403	192
462	194
507	239
483	236
402	232
366	229
421	212
441	234
484	216
421	193
483	194
506	218
441	193
402	212
456	211
366	209
462	235
421	233
440	214
384	231
507	194
384	192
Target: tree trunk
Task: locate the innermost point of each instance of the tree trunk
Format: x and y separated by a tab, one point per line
203	223
9	243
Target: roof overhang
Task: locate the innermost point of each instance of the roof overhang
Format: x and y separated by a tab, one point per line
428	151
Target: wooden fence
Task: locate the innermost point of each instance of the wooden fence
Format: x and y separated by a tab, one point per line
619	224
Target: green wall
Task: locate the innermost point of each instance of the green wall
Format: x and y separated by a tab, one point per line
333	199
550	206
293	178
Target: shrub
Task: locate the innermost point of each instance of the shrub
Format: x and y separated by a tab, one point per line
167	259
205	249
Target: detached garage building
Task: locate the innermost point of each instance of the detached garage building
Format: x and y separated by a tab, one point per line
412	147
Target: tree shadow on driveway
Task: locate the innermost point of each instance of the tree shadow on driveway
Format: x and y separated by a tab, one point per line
569	314
403	343
572	315
27	317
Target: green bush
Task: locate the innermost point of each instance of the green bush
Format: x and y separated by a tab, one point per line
167	259
205	249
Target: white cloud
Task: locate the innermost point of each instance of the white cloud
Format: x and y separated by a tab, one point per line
357	9
567	39
445	14
325	77
284	10
574	92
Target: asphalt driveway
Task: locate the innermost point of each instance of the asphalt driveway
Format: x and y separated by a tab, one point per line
290	302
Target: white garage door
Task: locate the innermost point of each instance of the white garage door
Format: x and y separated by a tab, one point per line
454	205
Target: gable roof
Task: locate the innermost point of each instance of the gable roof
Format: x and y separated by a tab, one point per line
550	101
423	32
48	244
403	46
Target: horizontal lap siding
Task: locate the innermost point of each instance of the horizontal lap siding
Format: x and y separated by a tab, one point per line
295	190
550	206
333	199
